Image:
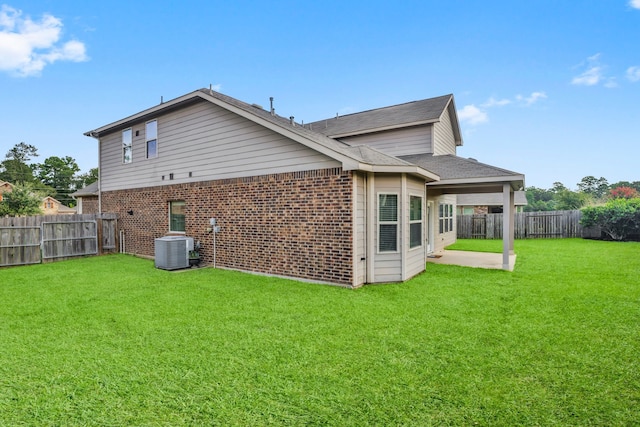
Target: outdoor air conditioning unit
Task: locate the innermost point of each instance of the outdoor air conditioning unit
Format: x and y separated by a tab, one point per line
172	252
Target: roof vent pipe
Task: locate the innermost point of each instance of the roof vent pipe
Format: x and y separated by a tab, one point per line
273	112
291	122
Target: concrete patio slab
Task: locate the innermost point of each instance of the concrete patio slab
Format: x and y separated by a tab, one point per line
471	259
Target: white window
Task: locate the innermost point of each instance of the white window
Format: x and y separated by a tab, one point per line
445	218
387	222
415	221
126	145
177	216
151	137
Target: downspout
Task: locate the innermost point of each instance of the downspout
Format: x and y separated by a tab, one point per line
99	177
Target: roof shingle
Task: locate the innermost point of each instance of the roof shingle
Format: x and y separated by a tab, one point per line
423	111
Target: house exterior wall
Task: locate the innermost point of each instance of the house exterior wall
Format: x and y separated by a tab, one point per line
397	142
406	262
5	187
415	258
49	206
297	224
88	205
387	265
444	140
203	142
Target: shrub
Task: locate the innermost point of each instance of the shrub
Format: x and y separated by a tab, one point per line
21	200
619	218
624	193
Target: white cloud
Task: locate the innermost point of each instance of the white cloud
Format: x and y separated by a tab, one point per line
492	102
531	99
472	115
590	77
594	74
633	73
634	4
27	46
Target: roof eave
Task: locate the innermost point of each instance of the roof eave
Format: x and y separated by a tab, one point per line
408	169
457	133
516	181
123	123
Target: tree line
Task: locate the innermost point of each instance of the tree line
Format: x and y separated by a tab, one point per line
591	191
57	177
613	208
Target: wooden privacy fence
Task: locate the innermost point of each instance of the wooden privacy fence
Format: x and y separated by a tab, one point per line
527	225
36	239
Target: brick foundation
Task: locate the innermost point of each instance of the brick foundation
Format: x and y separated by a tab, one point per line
295	224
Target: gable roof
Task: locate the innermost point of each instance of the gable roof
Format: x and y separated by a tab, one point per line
59	206
454	170
352	158
396	116
5	183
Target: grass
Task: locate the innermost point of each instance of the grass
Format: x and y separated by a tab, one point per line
113	341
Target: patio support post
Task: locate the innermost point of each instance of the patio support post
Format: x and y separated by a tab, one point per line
508	217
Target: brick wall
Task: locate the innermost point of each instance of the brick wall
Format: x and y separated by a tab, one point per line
293	224
90	204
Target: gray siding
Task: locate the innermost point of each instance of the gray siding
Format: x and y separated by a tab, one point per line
416	257
388	266
397	142
208	143
445	142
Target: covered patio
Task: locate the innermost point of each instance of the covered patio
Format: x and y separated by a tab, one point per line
473	259
459	175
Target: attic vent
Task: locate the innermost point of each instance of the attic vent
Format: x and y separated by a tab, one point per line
472	159
257	106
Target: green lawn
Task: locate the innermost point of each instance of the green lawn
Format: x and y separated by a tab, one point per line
111	341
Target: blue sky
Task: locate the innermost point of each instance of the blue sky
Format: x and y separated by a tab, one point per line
548	88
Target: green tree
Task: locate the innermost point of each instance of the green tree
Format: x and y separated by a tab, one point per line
14	168
539	199
558	187
59	173
22	200
596	187
569	200
87	178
